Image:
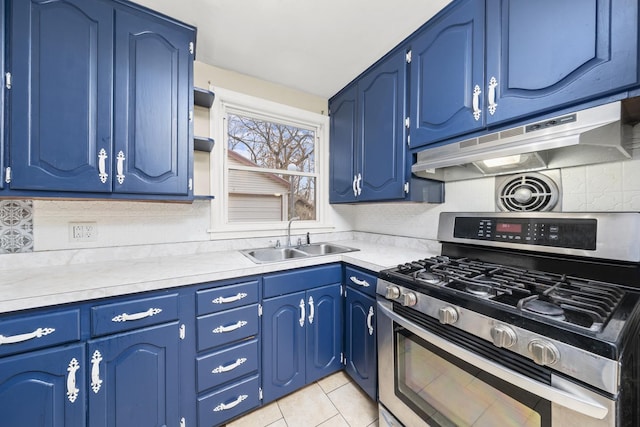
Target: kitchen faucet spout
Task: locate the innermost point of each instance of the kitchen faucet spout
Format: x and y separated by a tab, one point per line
289	229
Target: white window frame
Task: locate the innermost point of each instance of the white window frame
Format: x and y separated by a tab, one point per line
237	103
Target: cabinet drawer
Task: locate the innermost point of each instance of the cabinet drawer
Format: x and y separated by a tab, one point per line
365	282
133	314
300	280
227	365
216	408
29	332
225	297
227	326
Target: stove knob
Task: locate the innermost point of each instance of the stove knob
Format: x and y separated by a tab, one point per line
409	299
393	292
543	352
448	315
503	336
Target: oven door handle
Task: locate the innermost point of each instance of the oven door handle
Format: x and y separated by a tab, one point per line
566	398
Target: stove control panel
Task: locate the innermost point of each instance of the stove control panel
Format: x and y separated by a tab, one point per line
560	232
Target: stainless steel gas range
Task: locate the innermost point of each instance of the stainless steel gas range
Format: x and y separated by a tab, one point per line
523	319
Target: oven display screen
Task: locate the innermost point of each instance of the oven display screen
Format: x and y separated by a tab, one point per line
504	227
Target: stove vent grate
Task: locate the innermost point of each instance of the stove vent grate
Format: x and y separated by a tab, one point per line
527	192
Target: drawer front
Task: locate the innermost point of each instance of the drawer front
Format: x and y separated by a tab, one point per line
133	314
227	326
227	365
216	408
226	297
301	280
28	332
363	281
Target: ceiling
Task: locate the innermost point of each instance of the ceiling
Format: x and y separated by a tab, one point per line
317	46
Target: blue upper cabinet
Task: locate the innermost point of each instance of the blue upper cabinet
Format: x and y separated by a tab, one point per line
447	74
61	56
549	53
99	101
367	135
153	65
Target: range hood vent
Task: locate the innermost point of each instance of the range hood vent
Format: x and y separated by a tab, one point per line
595	135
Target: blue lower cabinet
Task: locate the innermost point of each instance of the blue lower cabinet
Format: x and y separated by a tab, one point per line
222	405
44	388
135	378
302	339
360	341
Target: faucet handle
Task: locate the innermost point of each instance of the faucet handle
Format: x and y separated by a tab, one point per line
277	245
299	241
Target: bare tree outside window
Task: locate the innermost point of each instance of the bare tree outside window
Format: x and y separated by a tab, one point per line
272	174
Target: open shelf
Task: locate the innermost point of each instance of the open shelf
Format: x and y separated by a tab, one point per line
203	97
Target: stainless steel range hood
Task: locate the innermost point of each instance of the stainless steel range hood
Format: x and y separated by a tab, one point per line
595	135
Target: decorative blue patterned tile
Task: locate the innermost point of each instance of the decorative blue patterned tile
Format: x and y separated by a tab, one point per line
16	226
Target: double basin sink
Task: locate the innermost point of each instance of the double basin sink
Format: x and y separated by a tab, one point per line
263	255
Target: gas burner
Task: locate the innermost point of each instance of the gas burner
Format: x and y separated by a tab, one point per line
544	308
426	277
480	289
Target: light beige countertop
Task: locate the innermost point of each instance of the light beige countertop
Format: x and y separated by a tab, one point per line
31	286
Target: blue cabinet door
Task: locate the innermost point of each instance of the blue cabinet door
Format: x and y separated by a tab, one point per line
549	53
283	345
2	94
324	332
360	341
61	56
153	67
135	378
44	388
447	63
381	149
342	146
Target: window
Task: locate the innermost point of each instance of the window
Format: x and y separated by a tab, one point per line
268	165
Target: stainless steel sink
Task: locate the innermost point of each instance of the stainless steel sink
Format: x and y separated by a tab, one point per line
263	255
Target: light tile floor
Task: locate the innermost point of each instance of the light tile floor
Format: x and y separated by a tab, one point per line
334	401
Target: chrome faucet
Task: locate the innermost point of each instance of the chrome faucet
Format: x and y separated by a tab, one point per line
289	230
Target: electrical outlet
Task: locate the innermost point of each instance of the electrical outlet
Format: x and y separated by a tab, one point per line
83	231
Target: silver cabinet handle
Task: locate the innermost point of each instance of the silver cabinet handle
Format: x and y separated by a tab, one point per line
227	300
359	282
126	317
492	95
13	339
225	406
302	313
353	184
102	167
476	102
221	369
369	320
312	310
358	184
96	382
222	329
120	167
72	390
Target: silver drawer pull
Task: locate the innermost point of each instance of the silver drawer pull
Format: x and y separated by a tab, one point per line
227	300
359	282
126	317
239	324
120	167
14	339
96	382
369	320
102	157
221	369
72	390
225	406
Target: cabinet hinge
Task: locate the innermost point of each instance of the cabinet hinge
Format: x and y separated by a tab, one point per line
183	422
190	115
406	187
259	310
183	331
191	48
407	122
260	392
408	57
7	80
409	140
190	184
7	175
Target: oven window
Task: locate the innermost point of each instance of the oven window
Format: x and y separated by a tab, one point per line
447	391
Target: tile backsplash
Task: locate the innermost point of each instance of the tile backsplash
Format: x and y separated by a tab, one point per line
16	226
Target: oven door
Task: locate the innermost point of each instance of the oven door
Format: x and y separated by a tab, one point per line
427	380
